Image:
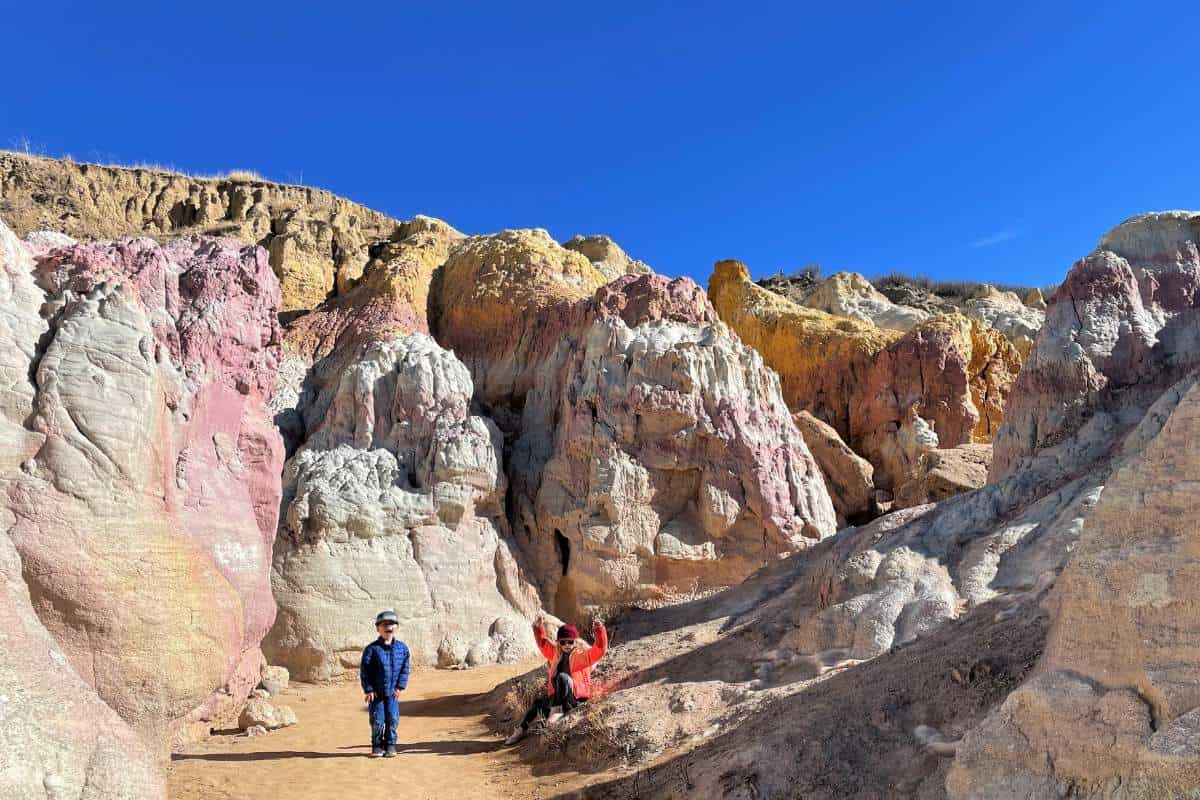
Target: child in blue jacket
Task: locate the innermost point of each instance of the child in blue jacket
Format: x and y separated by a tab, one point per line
384	675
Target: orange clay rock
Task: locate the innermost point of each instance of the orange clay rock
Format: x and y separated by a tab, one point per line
498	298
951	371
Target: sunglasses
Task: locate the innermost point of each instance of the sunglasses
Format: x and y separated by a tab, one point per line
566	641
388	625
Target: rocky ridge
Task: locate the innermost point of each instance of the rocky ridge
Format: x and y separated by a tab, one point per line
318	244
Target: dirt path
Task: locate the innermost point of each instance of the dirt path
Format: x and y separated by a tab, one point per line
446	751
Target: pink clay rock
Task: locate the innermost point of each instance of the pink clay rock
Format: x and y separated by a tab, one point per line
1119	326
143	507
654	454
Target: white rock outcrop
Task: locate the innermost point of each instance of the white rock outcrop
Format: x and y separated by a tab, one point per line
395	500
848	294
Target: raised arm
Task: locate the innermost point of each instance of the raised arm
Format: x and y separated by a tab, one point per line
599	645
545	645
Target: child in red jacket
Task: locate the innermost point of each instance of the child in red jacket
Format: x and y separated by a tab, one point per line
568	673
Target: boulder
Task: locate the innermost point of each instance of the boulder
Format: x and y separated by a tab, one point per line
274	679
264	714
940	474
848	477
394	500
148	463
1033	298
607	257
848	294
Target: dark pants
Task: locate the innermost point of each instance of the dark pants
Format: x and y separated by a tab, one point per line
564	695
385	716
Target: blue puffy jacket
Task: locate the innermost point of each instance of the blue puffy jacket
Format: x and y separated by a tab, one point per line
384	667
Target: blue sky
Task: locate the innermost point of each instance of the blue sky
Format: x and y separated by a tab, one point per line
984	141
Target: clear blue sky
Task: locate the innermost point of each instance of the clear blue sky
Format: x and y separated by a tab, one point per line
986	141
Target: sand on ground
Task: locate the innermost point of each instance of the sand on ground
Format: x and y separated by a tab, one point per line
445	749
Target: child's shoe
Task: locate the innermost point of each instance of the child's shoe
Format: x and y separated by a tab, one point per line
556	713
517	735
391	751
376	752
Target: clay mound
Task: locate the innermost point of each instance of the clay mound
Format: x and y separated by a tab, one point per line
499	297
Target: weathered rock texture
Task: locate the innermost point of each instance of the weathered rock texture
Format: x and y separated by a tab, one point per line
939	474
1007	313
848	294
849	477
607	256
147	463
652	453
395	500
1121	326
319	244
944	600
502	299
57	738
867	383
1112	710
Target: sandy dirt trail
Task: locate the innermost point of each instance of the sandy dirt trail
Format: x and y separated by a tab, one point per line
445	750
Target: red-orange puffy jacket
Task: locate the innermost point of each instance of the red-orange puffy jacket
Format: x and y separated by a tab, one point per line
581	660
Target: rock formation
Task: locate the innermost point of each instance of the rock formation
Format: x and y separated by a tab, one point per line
942	601
57	738
395	500
1006	313
866	382
1112	710
607	256
848	294
849	477
501	302
652	453
674	463
141	489
319	244
939	474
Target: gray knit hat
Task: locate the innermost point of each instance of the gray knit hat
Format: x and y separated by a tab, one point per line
387	616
